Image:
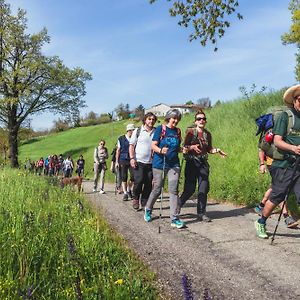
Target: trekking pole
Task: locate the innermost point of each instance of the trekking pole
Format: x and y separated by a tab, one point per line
286	197
116	181
161	194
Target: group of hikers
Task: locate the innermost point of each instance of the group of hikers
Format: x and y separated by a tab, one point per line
147	155
56	165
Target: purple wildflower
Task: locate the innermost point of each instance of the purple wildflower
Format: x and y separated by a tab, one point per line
187	287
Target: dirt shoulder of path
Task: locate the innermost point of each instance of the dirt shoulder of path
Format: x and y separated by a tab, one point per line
223	256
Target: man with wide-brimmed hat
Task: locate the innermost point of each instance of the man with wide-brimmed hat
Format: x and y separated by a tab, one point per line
283	171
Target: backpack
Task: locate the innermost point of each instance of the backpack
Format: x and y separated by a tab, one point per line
200	158
138	132
265	125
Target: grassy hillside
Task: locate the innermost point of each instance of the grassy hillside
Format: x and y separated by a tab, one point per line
235	179
53	246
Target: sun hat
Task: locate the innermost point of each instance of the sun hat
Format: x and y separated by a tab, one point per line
130	127
290	94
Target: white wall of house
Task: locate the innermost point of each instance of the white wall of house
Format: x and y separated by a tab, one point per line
159	110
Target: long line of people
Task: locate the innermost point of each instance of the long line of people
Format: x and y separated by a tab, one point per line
150	155
54	165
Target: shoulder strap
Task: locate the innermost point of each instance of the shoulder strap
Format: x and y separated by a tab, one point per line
138	132
163	131
291	120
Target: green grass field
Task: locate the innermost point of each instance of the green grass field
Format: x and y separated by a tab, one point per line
54	247
235	179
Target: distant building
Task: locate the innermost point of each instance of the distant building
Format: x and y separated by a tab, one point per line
161	109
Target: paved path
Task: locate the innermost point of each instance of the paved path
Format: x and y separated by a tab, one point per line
223	256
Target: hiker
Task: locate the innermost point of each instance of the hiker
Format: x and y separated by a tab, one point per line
100	156
51	165
61	164
115	170
141	159
166	145
80	166
40	165
123	161
68	167
46	165
282	171
197	146
263	168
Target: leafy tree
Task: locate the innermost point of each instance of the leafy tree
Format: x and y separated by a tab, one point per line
204	102
122	111
293	36
209	18
139	111
190	102
3	144
30	82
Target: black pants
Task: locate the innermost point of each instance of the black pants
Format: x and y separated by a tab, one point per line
142	181
192	174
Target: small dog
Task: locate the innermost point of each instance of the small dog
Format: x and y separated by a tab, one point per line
75	181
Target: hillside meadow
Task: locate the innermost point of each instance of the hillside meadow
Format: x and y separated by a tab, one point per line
53	246
235	179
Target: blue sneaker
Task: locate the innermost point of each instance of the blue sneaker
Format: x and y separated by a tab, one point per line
177	223
147	215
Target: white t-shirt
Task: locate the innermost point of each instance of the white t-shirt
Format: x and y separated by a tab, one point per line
143	152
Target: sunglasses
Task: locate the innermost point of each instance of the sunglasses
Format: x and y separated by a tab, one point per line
199	119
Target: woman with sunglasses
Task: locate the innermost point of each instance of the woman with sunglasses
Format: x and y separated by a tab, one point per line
197	145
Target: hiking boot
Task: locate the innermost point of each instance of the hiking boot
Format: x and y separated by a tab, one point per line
94	190
177	223
290	222
260	230
204	218
135	204
125	197
102	192
147	215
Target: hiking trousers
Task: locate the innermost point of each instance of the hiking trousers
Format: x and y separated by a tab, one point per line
99	171
142	181
194	174
173	175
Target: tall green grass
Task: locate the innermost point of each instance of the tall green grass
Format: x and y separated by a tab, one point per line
235	179
54	247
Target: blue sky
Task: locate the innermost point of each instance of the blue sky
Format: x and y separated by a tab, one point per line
137	53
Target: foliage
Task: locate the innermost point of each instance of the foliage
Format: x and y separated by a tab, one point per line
54	247
30	82
139	111
204	102
293	36
209	18
122	111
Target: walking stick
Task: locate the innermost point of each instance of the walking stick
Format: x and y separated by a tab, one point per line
286	196
161	194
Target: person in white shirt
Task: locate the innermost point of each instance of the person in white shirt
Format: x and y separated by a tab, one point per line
141	160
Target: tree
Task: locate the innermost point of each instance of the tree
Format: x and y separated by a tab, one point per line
122	111
209	18
30	82
204	102
190	102
293	36
139	111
